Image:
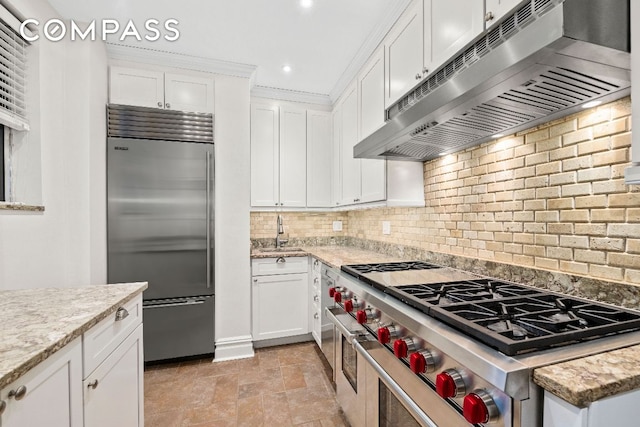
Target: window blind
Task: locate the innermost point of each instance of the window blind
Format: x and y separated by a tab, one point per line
13	68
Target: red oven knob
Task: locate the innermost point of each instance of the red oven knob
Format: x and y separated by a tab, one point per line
449	384
365	316
402	347
422	362
478	407
337	297
351	304
332	292
385	334
340	294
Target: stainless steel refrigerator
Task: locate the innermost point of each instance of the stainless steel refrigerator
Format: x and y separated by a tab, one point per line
160	220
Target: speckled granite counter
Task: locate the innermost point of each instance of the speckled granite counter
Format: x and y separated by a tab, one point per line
334	256
583	381
38	322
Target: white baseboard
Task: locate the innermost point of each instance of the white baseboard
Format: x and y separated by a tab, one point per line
234	348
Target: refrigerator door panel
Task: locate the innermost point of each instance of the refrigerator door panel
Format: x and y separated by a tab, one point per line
160	216
178	327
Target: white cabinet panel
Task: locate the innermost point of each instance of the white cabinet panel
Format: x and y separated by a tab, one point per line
349	137
113	393
53	395
373	180
319	157
271	317
336	160
293	157
131	86
449	26
265	135
498	8
188	93
404	50
371	95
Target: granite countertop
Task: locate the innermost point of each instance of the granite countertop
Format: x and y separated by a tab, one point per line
583	381
38	322
334	256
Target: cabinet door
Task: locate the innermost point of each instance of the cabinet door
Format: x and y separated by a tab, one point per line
350	165
293	157
319	156
272	318
130	86
53	392
374	180
499	8
404	51
371	95
113	393
265	158
336	158
449	26
188	93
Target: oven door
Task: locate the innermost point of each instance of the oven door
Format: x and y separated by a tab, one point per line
397	397
349	367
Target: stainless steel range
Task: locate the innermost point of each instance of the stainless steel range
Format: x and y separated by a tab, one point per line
420	344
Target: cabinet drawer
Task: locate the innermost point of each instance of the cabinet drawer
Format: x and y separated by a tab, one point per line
99	341
279	265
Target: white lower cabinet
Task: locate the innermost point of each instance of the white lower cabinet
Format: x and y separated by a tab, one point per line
618	410
49	394
280	300
117	383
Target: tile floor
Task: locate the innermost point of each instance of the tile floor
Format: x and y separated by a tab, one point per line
280	386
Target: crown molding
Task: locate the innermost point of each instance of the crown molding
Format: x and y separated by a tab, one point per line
372	41
290	95
178	60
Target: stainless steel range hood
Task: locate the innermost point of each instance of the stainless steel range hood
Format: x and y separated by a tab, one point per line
542	62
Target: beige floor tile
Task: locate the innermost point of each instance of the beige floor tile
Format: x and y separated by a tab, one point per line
276	410
250	412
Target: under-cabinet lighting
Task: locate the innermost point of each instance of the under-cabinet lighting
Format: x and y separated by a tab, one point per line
591	104
498	135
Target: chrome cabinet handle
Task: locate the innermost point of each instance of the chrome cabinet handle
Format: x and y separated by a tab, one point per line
93	384
19	393
315	298
425	70
315	280
121	314
489	17
281	260
316	316
167	105
418	76
208	216
3	406
160	104
255	280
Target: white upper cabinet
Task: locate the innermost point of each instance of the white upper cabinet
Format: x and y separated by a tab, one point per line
265	156
373	180
293	157
130	86
336	158
449	26
371	95
404	50
319	158
155	89
188	93
349	137
496	9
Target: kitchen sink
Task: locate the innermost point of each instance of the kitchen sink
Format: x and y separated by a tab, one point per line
281	250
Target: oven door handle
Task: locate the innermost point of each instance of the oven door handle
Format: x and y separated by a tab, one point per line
411	406
349	335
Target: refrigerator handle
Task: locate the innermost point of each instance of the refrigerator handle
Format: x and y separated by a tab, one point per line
208	219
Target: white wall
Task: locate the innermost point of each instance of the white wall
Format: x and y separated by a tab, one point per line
64	245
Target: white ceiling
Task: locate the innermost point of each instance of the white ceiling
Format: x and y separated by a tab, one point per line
319	42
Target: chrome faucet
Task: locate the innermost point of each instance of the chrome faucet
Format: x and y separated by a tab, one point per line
280	231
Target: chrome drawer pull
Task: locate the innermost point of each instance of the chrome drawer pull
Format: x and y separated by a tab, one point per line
19	393
281	260
121	314
93	384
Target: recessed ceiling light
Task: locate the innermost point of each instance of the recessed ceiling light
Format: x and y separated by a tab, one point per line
306	3
498	135
591	104
286	68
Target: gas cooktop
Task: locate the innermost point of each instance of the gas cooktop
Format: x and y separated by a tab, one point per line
510	317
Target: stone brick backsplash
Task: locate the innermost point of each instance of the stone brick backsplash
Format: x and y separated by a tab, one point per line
552	198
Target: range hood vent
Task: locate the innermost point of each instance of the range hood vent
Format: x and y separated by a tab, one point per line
543	62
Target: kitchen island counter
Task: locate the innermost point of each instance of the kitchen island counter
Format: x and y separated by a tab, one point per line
36	323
